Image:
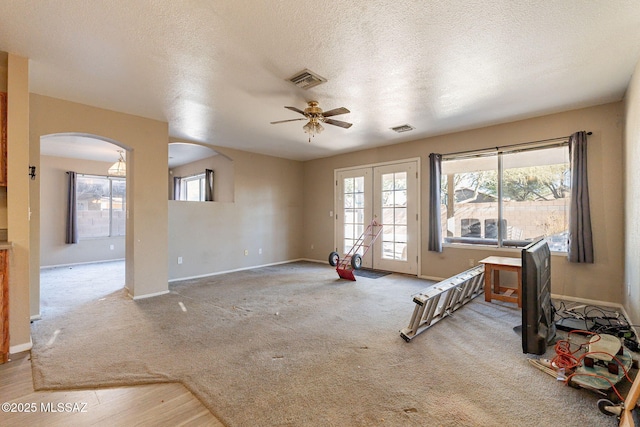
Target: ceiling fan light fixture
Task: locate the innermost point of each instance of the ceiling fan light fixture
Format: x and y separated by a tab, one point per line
119	168
313	127
315	115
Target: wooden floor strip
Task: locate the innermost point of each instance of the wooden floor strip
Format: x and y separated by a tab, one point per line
166	404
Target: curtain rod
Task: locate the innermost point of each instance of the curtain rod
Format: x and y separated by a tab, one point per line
507	146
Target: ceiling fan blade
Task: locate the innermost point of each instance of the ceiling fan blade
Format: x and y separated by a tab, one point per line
335	112
290	120
338	123
297	110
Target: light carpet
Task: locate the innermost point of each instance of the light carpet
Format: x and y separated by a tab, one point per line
293	345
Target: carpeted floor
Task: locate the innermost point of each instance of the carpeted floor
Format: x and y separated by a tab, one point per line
292	345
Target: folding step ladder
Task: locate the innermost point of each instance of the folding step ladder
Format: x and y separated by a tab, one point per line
442	299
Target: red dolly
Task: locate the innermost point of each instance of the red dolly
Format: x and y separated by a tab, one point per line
353	260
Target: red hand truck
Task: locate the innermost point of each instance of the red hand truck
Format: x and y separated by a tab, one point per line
353	259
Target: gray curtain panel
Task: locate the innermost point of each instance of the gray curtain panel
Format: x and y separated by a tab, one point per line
177	181
208	185
580	237
72	213
435	172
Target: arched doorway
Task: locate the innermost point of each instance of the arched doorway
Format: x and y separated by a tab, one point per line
94	264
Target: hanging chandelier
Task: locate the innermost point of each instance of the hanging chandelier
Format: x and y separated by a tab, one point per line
119	168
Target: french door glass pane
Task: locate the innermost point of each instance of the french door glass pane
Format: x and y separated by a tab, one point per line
353	209
394	215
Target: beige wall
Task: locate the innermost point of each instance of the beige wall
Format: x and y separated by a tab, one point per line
18	212
601	281
632	198
147	153
53	199
267	214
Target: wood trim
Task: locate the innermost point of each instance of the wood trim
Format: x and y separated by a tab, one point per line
626	418
3	139
4	306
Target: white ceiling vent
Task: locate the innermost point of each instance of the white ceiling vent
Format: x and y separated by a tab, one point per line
402	128
306	79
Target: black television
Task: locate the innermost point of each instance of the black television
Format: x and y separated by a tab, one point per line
538	327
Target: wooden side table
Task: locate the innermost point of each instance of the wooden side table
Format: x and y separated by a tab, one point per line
492	267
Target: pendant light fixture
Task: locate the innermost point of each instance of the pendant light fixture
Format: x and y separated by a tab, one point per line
119	168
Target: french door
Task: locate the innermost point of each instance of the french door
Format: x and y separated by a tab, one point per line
389	194
354	210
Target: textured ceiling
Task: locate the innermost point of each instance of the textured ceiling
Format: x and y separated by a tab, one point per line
215	71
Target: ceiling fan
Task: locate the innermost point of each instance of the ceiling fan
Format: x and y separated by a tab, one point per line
315	115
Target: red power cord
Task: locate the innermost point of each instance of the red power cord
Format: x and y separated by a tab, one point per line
566	359
565	356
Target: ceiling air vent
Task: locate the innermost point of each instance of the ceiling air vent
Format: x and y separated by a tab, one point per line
306	79
402	128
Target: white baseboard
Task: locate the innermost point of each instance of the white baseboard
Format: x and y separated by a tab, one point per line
36	317
586	301
317	261
157	294
46	267
217	273
433	278
14	349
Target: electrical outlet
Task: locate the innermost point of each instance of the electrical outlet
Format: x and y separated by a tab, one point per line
311	246
246	252
111	247
179	260
260	251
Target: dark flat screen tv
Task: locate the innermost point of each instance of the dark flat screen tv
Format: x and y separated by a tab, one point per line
538	327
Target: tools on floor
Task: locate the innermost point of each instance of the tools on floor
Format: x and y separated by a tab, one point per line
442	299
353	259
598	362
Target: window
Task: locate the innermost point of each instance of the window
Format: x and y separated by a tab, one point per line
192	188
100	204
507	198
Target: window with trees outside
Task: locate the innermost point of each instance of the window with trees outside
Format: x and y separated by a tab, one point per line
507	199
100	206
